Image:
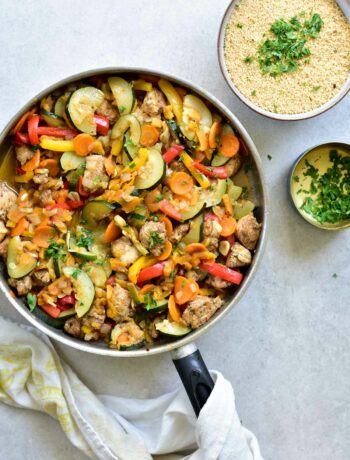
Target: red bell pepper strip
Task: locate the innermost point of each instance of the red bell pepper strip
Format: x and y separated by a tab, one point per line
66	302
102	125
80	188
75	204
66	184
111	280
33	123
54	312
168	209
222	272
150	272
220	172
21	138
57	132
172	153
58	206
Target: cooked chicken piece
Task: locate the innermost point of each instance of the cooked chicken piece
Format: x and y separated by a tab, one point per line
248	231
24	154
41	278
239	256
118	303
217	283
3	247
193	275
153	236
106	109
233	165
23	285
45	198
153	103
200	310
125	251
127	334
211	233
73	327
3	230
151	327
7	200
52	184
41	176
94	176
179	232
97	313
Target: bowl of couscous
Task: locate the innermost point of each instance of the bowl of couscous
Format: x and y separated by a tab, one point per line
286	60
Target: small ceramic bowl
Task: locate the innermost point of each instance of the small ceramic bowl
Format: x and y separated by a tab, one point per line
345	7
317	156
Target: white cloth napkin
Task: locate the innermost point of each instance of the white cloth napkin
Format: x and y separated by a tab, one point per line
32	376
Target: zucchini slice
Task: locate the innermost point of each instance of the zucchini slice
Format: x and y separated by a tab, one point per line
192	102
73	177
218	159
233	191
175	129
130	148
97	210
77	251
57	323
129	344
60	106
172	329
81	108
125	123
159	306
14	267
52	119
214	197
242	208
193	211
97	273
67	313
152	172
70	161
195	233
84	289
123	94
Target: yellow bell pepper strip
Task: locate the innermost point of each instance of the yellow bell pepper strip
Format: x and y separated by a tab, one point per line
137	162
143	85
202	180
136	267
24	178
117	146
173	97
56	145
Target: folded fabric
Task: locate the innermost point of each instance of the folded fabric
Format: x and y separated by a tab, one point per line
32	376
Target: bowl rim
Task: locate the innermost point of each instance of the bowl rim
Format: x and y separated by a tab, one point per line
102	349
345	89
296	163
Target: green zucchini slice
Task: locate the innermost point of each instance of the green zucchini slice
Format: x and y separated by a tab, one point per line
172	329
57	323
14	251
81	108
193	211
159	306
214	197
242	208
195	103
52	119
84	289
218	159
97	210
127	123
123	94
70	161
233	191
132	344
77	251
152	172
196	230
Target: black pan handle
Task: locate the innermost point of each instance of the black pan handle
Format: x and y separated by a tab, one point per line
194	375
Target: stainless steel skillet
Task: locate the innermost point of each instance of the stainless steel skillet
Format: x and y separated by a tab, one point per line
185	355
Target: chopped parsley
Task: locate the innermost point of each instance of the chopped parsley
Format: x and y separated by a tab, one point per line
284	52
245	193
316	88
248	167
121	108
335	275
156	218
149	301
248	59
269	157
85	239
127	140
154	239
31	301
330	200
56	251
253	93
159	198
296	179
97	179
239	25
76	273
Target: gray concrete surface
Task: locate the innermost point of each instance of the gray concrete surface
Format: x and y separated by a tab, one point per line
285	348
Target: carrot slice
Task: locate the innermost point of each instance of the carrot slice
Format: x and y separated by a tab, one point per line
167	251
149	135
42	236
20	227
112	232
229	145
33	163
185	289
20	123
168	225
181	183
151	200
174	311
214	132
52	165
15	214
195	247
146	288
229	225
83	144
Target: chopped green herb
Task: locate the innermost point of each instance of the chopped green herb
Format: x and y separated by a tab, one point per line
76	273
132	165
121	108
316	88
335	275
33	147
56	251
253	93
85	239
31	301
296	179
239	25
127	140
149	301
283	53
248	59
154	239
97	179
245	193
156	218
159	198
269	157
248	167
